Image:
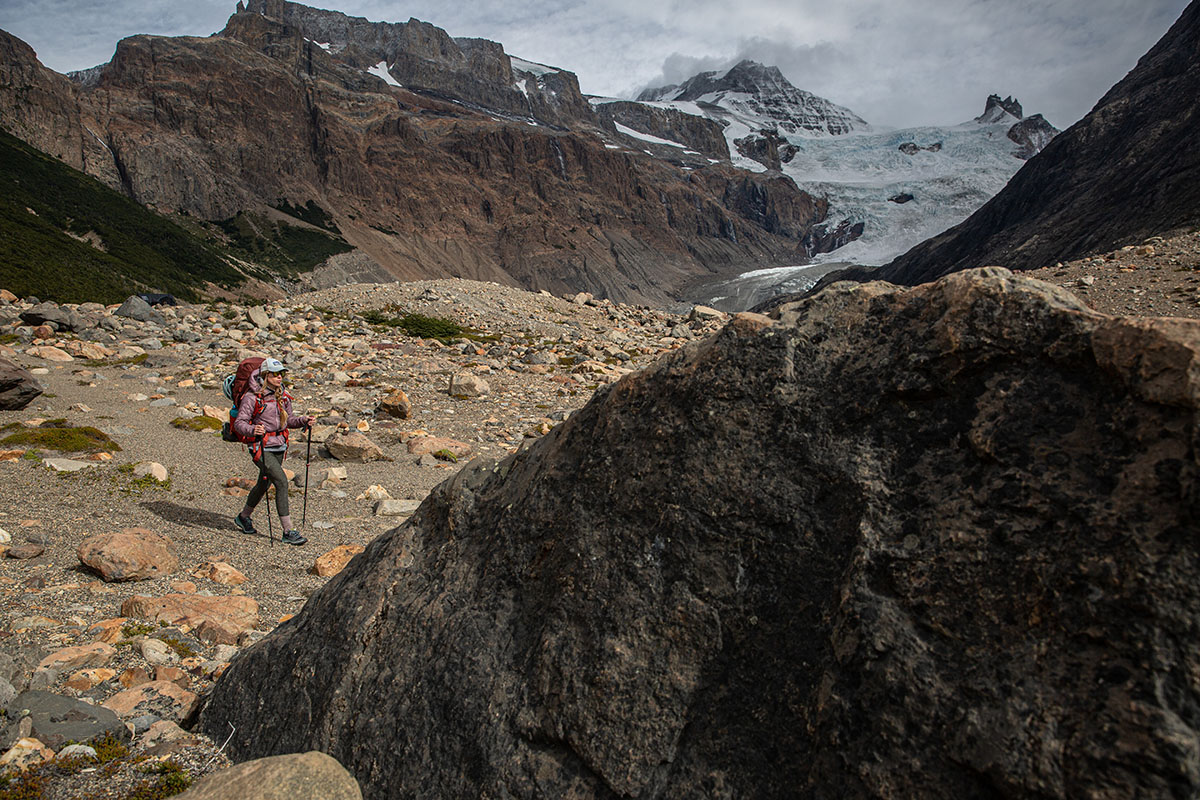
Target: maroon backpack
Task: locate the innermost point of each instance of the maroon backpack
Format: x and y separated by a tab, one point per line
235	386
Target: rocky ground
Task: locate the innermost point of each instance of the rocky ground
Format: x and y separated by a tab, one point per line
528	361
1158	278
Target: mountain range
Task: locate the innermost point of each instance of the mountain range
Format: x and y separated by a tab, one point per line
428	156
304	147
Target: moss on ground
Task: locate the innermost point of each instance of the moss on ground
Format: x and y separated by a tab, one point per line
57	435
201	423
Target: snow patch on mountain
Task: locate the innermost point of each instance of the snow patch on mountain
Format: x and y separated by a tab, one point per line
645	137
380	70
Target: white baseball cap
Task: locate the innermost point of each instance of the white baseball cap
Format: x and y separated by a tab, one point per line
273	365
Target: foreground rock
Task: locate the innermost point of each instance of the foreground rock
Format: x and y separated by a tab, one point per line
57	721
131	555
945	551
18	387
219	620
312	774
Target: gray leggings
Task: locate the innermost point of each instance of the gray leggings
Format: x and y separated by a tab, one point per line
270	470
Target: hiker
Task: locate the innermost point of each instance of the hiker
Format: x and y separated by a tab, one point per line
265	414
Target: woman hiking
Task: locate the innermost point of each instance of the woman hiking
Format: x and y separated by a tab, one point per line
265	413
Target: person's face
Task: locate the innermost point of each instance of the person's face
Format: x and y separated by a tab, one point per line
274	379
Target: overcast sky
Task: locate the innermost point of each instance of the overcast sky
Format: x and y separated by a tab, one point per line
893	62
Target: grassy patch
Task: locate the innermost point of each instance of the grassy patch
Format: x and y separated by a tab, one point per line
43	200
287	249
311	213
135	628
181	648
201	423
445	455
140	358
424	327
56	435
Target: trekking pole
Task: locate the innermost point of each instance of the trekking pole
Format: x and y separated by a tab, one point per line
307	460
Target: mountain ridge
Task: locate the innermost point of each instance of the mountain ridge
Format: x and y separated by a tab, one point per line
1077	196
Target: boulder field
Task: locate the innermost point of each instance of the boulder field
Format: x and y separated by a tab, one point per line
935	542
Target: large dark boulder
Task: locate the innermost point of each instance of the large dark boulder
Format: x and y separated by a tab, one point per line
936	543
18	387
63	318
1128	170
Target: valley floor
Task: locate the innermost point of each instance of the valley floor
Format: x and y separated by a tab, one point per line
542	357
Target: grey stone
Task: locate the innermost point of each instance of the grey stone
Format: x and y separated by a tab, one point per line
258	316
43	313
395	508
18	387
7	692
468	385
57	720
76	751
142	723
164	402
135	307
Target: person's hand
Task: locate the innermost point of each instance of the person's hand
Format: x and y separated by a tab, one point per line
259	429
308	421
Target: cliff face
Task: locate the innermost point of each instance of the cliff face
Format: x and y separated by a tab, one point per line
1126	171
947	551
38	105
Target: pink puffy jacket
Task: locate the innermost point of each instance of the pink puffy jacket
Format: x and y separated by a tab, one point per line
268	415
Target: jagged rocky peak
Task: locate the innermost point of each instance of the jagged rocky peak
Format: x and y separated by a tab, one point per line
750	88
1032	134
997	110
424	58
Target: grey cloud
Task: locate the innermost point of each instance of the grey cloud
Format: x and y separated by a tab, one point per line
894	62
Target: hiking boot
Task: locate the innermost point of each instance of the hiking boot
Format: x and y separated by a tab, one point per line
293	537
244	525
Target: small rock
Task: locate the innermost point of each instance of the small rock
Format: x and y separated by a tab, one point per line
67	464
396	508
152	469
131	555
220	572
468	385
49	353
396	404
26	753
312	774
134	676
374	492
258	316
24	552
90	655
161	699
135	307
158	652
354	447
420	445
173	674
76	751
